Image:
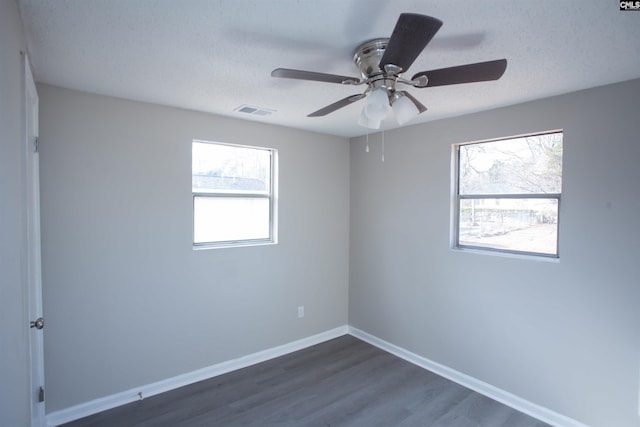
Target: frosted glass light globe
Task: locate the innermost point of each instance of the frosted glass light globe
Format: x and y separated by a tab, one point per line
404	109
377	107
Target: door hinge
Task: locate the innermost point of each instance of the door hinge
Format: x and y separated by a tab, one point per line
41	394
36	144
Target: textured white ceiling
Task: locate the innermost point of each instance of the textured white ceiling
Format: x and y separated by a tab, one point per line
214	56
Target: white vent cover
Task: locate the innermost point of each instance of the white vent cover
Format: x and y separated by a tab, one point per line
256	111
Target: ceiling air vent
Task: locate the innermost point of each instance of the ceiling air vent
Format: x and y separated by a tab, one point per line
256	111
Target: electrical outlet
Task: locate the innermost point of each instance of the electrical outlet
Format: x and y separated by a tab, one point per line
301	311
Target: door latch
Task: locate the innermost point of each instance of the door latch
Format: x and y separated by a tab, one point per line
38	323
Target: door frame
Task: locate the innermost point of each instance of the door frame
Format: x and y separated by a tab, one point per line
33	247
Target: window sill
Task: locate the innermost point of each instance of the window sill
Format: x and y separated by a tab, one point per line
527	257
226	245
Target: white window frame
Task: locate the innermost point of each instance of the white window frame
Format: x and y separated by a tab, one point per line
457	198
271	195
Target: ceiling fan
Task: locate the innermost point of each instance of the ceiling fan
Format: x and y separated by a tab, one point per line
382	62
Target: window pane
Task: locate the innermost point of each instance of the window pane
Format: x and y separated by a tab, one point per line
224	219
527	225
228	168
531	164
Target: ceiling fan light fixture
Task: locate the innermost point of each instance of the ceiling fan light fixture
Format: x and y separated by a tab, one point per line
368	123
377	107
404	109
381	62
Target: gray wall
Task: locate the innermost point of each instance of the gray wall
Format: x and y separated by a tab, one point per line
565	335
128	301
14	365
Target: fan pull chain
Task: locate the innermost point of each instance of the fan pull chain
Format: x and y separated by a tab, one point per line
366	148
382	146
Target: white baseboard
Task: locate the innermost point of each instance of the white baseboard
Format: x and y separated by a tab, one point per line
541	413
108	402
82	410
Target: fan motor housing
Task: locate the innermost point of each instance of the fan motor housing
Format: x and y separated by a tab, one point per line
367	57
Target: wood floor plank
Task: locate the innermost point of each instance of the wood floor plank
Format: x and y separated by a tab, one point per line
342	382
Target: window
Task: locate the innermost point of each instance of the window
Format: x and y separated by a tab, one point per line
507	194
233	194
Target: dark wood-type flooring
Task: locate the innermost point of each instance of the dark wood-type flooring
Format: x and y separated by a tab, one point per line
341	382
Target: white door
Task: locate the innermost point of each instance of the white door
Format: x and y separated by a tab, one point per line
34	276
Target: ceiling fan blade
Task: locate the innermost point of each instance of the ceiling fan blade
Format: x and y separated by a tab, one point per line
421	108
288	73
337	105
470	73
410	36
